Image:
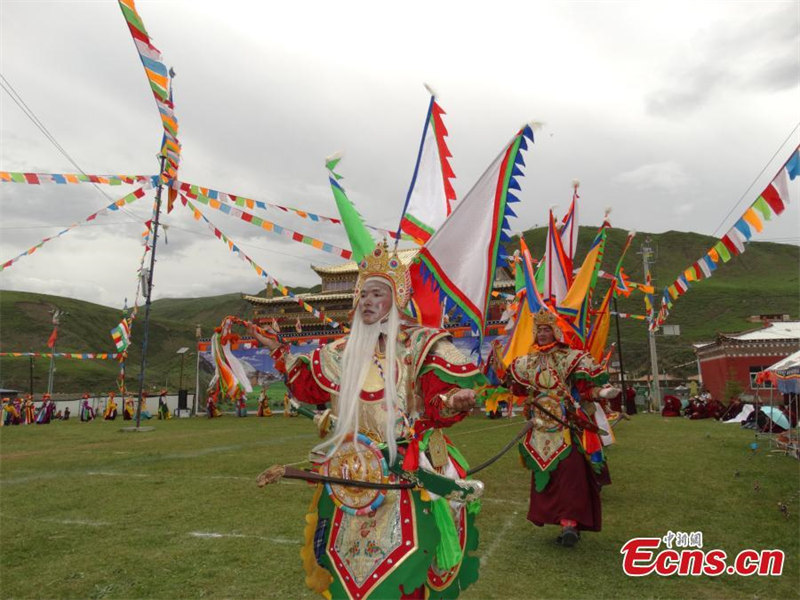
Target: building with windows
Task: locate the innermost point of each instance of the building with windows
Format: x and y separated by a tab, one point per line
740	357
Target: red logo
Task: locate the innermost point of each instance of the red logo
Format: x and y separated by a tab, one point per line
641	557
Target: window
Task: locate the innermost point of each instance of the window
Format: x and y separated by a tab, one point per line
764	385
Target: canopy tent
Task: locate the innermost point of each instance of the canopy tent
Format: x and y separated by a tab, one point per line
785	374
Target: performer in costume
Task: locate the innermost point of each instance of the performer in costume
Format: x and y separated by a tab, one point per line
143	412
87	412
110	413
11	411
565	460
28	411
129	409
45	412
163	409
288	409
211	405
392	387
263	404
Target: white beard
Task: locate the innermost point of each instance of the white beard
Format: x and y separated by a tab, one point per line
362	343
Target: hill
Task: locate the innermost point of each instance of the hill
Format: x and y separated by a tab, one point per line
764	279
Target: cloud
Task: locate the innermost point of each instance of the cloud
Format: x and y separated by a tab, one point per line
258	114
665	176
746	52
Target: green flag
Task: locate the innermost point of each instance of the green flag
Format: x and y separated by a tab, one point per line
361	242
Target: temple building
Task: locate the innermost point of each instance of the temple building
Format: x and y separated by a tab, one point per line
740	357
335	300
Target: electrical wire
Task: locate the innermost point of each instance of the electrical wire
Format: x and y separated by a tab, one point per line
749	187
28	112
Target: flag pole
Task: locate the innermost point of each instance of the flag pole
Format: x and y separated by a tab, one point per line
149	291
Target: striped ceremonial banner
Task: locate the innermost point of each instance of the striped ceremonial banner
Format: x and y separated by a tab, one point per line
72	355
773	199
194	191
273	227
233	247
72	178
160	79
114	206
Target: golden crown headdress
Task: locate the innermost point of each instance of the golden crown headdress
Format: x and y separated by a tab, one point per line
381	263
545	317
549	318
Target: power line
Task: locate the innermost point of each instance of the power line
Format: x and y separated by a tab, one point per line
28	112
747	191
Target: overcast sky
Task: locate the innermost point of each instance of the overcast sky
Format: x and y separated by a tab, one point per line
667	112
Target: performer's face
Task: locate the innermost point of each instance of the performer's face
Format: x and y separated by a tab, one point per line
545	335
375	301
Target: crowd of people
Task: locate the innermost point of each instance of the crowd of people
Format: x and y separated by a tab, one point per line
23	411
757	416
702	406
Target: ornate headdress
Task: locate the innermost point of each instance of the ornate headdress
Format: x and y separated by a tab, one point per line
548	318
382	264
545	317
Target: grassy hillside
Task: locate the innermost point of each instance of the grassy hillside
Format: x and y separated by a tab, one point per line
765	279
208	311
25	325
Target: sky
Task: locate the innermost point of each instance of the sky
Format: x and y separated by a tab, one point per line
676	115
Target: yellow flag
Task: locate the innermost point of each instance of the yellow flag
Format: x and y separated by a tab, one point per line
599	335
522	339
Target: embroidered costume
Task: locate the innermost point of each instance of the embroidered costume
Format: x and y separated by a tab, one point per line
564	461
398	543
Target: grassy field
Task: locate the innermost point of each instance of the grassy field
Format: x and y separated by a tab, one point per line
87	511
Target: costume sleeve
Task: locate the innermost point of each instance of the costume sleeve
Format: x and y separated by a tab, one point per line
434	392
298	376
444	371
587	377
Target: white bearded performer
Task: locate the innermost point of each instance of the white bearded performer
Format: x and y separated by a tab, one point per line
392	387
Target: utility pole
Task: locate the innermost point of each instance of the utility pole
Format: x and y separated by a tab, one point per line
148	291
30	375
655	398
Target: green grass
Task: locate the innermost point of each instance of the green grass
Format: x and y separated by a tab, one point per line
89	512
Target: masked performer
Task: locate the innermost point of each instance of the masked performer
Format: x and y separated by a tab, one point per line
564	459
392	388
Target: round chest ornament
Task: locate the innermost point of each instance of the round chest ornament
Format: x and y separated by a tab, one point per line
358	458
